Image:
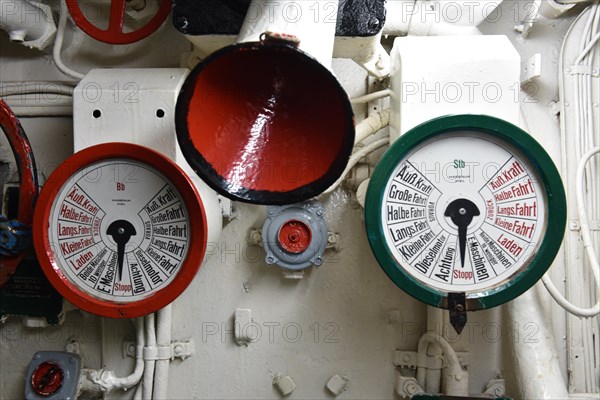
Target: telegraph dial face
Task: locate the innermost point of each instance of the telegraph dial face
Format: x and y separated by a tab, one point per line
465	204
124	229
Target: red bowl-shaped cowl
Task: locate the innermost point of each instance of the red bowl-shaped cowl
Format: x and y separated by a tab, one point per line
265	123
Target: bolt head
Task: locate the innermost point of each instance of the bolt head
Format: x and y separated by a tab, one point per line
411	388
374	23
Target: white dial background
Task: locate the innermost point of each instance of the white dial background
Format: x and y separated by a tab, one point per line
111	190
500	241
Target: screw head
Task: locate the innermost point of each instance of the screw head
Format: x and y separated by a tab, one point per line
374	23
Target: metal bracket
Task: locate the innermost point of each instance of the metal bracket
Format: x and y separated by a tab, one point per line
178	349
333	239
531	68
496	388
457	310
226	207
583	70
594	225
243	319
182	349
14	237
406	387
410	359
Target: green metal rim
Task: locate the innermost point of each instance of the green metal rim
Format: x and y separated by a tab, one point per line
541	163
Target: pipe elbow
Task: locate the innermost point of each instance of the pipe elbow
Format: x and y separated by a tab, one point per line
27	22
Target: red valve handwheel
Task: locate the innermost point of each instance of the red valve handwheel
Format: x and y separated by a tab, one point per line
28	189
114	33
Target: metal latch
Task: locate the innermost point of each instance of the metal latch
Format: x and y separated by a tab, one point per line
15	237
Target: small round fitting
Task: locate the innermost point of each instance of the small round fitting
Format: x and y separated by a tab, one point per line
47	378
295	236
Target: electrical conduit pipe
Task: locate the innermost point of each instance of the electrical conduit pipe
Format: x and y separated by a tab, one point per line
105	381
424	17
163	341
536	362
149	357
456	381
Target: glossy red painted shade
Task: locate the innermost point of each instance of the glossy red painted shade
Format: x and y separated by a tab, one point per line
268	120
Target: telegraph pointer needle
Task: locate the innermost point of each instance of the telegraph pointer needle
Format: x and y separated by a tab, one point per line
461	212
121	231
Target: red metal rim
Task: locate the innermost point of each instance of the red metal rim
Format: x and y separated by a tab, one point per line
28	188
114	33
295	236
197	220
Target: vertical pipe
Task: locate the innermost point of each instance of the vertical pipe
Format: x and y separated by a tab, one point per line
433	377
536	365
313	22
151	347
163	338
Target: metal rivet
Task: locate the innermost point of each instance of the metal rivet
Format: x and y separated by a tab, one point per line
373	23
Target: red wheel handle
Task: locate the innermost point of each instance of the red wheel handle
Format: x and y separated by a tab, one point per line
28	189
114	33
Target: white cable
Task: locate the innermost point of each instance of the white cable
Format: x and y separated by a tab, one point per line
566	304
106	380
587	243
164	323
60	32
587	48
21	88
371	97
150	348
372	124
355	158
572	1
583	218
452	363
